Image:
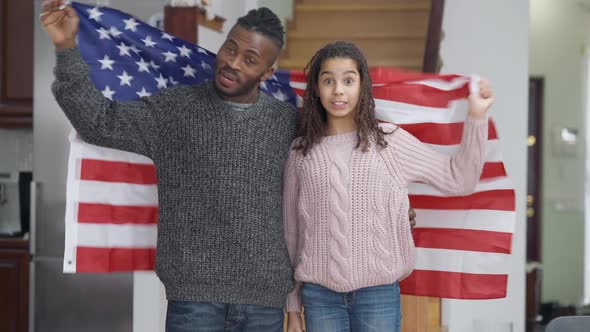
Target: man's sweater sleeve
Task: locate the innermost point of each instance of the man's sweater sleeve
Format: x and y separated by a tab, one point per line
291	224
129	126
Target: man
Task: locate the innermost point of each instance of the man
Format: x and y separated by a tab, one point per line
219	149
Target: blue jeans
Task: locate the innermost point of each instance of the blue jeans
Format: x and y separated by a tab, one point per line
220	317
367	309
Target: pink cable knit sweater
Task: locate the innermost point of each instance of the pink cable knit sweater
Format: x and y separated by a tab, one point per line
346	212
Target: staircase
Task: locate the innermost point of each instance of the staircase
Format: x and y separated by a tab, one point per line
389	32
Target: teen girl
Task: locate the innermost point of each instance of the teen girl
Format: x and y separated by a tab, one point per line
346	198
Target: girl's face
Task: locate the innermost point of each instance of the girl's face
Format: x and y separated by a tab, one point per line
339	86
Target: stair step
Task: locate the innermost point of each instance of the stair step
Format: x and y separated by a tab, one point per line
405	35
356	7
353	2
410	64
373	48
359	22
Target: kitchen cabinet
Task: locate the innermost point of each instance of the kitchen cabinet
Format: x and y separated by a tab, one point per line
16	63
14	285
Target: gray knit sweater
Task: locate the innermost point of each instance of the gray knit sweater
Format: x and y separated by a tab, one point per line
220	229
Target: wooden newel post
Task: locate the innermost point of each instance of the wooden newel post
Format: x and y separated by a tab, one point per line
182	22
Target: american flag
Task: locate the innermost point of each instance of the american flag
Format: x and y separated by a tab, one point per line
463	244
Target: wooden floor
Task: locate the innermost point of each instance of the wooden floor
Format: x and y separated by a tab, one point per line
421	314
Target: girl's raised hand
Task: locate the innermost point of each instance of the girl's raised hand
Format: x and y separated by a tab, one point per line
481	100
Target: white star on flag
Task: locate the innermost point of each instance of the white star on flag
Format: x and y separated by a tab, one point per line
280	95
154	65
169	56
94	14
172	81
135	49
108	93
123	49
104	34
201	50
143	93
205	66
143	66
148	41
189	71
125	78
167	36
184	51
106	62
115	32
162	82
131	24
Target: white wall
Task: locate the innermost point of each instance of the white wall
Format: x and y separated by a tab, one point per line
490	38
231	10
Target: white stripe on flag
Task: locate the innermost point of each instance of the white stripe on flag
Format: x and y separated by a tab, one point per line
297	85
116	193
462	261
456	83
402	113
95	152
483	220
117	236
485	185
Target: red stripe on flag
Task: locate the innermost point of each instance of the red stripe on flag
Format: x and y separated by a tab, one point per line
117	171
443	133
390	75
420	95
455	285
299	92
503	200
90	259
493	170
297	76
117	214
386	75
463	239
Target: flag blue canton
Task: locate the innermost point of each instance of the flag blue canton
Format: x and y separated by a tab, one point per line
130	59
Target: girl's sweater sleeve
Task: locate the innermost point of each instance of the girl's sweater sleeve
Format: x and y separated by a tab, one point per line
453	175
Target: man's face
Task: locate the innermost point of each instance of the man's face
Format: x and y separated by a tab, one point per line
243	61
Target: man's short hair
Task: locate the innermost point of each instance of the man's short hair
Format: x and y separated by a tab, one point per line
265	22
